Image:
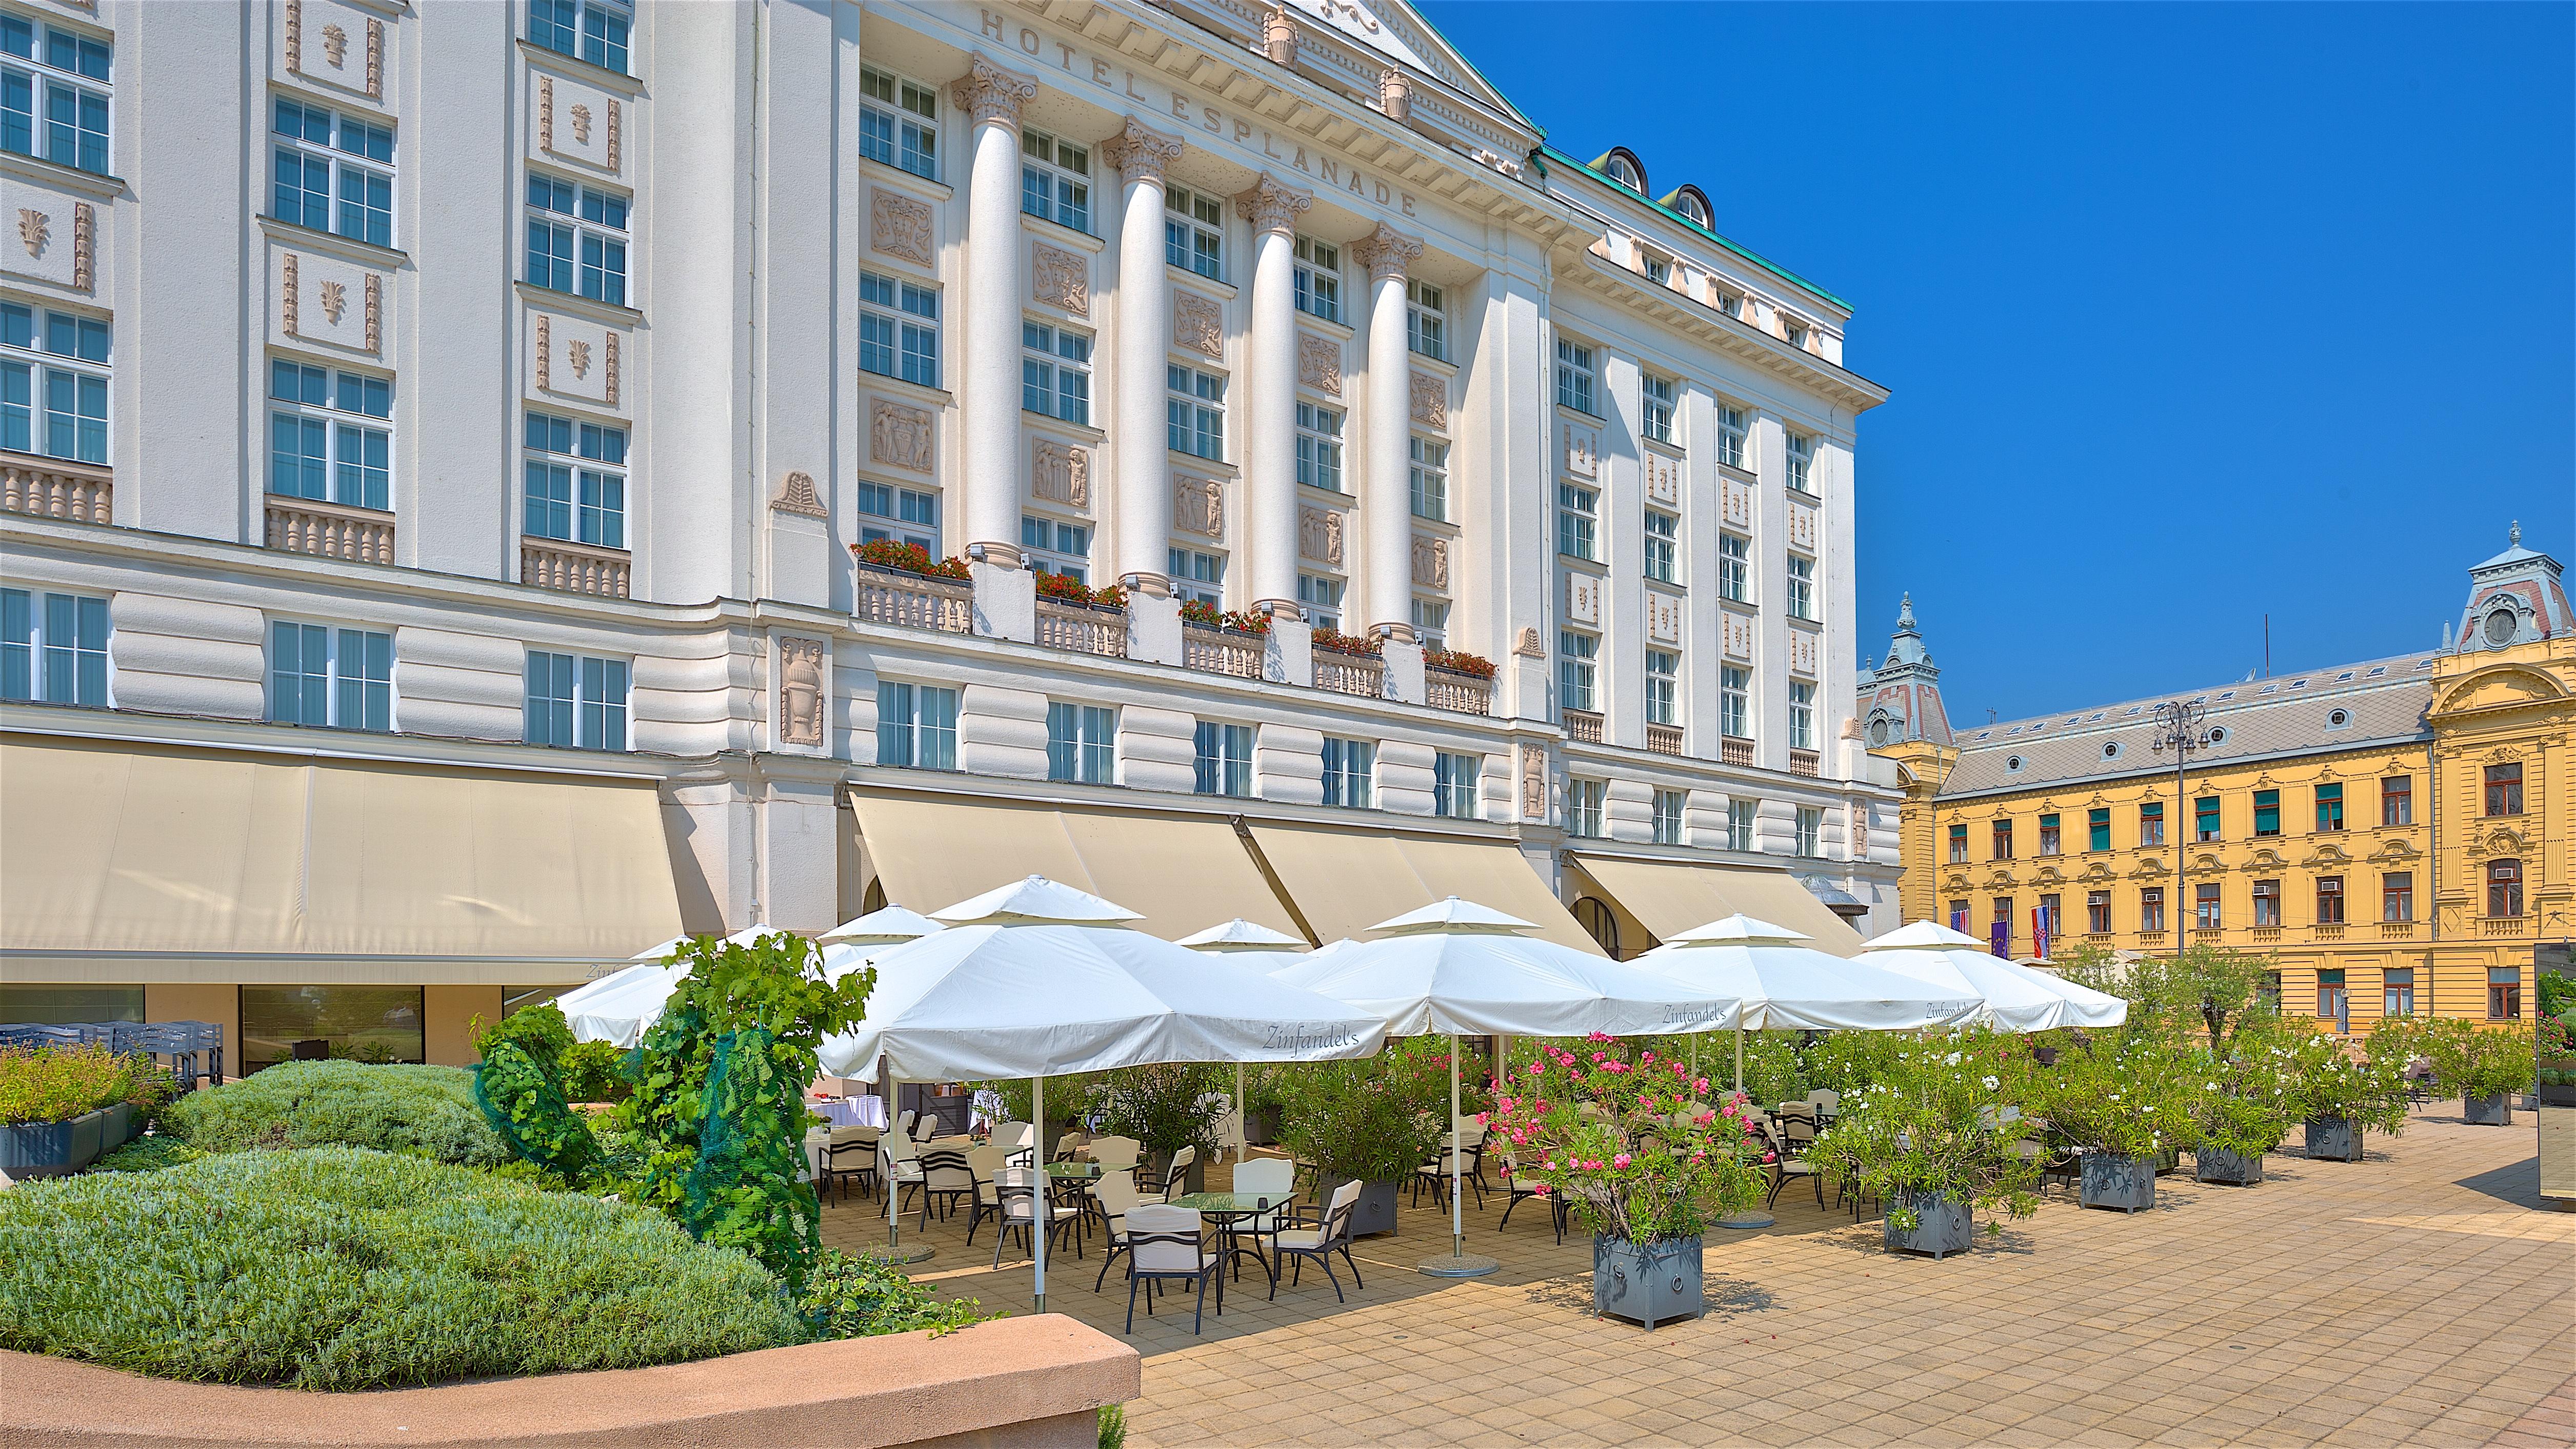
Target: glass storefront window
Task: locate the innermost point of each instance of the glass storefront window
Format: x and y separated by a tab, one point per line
70	1005
365	1023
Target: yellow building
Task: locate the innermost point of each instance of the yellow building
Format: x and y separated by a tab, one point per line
2398	833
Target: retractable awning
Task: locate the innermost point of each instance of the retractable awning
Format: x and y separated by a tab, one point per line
1345	881
1669	897
1181	872
146	863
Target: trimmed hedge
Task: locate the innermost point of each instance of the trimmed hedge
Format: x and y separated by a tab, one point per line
416	1111
339	1268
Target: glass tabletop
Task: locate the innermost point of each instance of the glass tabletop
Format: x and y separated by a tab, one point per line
1073	1169
1227	1202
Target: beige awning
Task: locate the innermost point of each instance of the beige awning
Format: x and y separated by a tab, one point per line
144	863
1671	896
1345	881
1183	872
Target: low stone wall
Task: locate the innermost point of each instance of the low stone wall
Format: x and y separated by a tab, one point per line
1014	1383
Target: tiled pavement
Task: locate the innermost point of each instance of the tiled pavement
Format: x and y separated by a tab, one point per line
2415	1298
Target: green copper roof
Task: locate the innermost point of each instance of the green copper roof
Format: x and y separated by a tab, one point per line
1684	222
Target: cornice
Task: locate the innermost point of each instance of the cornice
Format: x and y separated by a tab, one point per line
1593	275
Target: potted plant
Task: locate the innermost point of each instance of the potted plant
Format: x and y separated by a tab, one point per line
1232	621
1360	1121
61	1108
1166	1108
1934	1139
2124	1109
1263	1104
2241	1111
911	558
1474	666
2486	1065
1638	1158
2341	1096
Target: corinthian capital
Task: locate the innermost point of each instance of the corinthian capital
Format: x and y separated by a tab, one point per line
1271	206
1140	152
1387	253
989	93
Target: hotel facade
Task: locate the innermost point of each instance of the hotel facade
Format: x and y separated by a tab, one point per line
464	464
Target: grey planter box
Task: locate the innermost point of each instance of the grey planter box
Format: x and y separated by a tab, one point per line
124	1124
2126	1183
1261	1126
2495	1111
1193	1177
2334	1139
2168	1160
2217	1165
1649	1282
1373	1213
53	1149
1947	1226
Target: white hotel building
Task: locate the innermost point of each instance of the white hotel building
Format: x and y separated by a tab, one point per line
436	438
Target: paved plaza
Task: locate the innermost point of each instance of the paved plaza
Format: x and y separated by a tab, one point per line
2416	1298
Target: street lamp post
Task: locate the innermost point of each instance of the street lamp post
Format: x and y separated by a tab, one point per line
2182	727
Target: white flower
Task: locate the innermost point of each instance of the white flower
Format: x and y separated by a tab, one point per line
1991	1084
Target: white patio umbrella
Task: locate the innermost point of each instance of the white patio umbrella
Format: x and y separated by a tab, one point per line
1463	969
1038	979
2016	997
886	923
620	1007
1242	939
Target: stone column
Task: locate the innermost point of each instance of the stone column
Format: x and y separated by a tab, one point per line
988	398
1144	340
1386	486
1269	449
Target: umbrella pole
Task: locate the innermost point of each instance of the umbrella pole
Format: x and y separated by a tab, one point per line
1242	1123
1457	1264
1041	1210
1748	1218
1739	1052
895	1252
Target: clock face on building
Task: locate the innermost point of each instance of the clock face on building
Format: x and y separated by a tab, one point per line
2500	626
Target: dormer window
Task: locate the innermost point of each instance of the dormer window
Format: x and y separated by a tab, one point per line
1731	304
2500	626
1693	205
1621	165
1795	330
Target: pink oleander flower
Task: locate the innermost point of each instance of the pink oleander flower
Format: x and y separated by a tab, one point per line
1539	1191
1600	1036
1620	1161
1700	1086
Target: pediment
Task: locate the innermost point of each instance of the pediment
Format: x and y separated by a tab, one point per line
2149	870
2396	848
1397	33
2328	854
2264	859
2500	686
2097	871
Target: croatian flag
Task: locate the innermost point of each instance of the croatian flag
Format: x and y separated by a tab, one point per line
2043	927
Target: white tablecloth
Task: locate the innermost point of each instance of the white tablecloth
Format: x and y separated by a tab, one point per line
852	1111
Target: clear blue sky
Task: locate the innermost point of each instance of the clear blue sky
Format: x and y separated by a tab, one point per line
2191	313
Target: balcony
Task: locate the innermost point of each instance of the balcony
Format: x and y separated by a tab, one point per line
2397	930
1802	762
1664	739
575	568
1736	750
54	488
912	601
1581	726
2493	926
1359	674
2329	930
1221	651
1082	628
1458	693
2151	940
331	530
2264	935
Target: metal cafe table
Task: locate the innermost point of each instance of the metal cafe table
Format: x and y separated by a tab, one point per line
1228	1210
1071	1181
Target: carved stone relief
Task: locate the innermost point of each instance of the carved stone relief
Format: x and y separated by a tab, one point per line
1533	782
1430	400
1663	618
289	302
1198	506
545	351
1062	472
1431	562
1062	279
899	436
899	226
579	355
84	245
1582	598
612	369
1527	645
1802	528
1319	364
1739	636
1198	323
1663	479
1319	535
1802	652
796	495
33	228
800	691
1582	451
1739	503
335	300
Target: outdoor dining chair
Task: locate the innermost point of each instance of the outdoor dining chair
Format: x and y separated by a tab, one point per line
1274	1178
898	1165
1019	1138
1167	1244
1067	1145
850	1152
1785	1140
1520	1192
903	1124
1018	1189
1435	1172
1111	1197
985	1162
1321	1233
1172	1177
946	1177
1116	1154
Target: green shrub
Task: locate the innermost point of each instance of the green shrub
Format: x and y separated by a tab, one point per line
147	1154
853	1297
1166	1108
524	1103
1360	1119
593	1071
56	1084
419	1111
540	1031
2476	1060
337	1268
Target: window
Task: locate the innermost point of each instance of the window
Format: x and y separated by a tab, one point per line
1431	623
1192	239
898	329
1735	568
1082	743
2204	817
1802	458
1583	807
2049	918
1430	479
1657	393
916	726
73	73
898	122
1194	413
1739	824
379	1020
2504	789
1320	595
2397	800
1802	715
2051	840
1663	544
1319	447
2267	903
1577	520
2334	1004
905	515
1055	180
1811	826
1735	702
327	435
1730	435
1663	687
2504	993
1198	577
576	481
1319	279
1350	773
2397	896
1224	758
2151	823
2267	813
576	702
2330	807
2097	913
57	405
1958	915
1426	320
2397	991
577	239
319	675
1659	270
2151	909
1668	815
2003	841
2329	900
1574	377
1802	587
1457	785
322	154
1575	656
2002	927
1056	547
2204	907
1055	372
595	30
1958	845
2504	888
53	648
2097	828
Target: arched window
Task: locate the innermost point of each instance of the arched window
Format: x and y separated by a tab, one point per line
1692	203
1595	916
1621	165
2504	888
